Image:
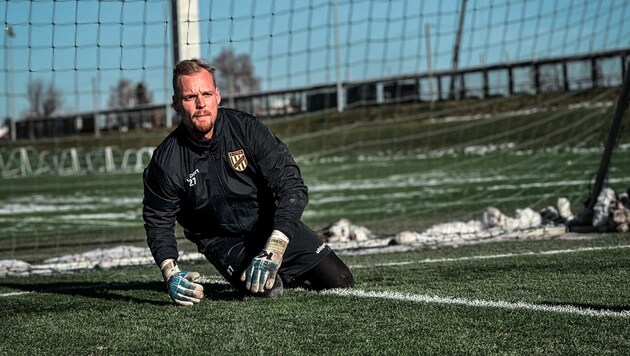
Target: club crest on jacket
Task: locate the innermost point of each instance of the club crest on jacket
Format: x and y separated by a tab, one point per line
238	160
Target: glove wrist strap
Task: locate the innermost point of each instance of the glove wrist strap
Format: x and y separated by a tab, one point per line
169	268
277	242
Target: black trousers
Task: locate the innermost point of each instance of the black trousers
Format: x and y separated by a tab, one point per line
306	259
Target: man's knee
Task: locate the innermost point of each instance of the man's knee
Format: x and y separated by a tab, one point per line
330	273
345	278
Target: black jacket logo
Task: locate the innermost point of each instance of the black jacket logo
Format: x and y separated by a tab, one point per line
238	160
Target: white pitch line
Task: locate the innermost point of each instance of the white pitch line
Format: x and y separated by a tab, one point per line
487	257
431	299
15	293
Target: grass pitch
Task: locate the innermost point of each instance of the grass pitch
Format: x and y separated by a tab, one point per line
526	297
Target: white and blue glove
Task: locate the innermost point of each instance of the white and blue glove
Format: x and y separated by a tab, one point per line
261	273
181	285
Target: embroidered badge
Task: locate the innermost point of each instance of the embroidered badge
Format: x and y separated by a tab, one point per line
238	160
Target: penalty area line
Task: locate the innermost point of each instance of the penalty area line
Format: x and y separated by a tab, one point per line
489	257
430	299
11	294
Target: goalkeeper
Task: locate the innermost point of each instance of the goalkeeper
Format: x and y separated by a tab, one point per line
238	194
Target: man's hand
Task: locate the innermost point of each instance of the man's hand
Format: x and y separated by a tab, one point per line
181	286
261	273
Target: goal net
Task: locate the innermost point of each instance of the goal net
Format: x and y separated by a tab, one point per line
426	117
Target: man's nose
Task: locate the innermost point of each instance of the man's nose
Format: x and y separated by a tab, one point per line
201	101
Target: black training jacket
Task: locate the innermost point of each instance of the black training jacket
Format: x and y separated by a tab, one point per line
242	182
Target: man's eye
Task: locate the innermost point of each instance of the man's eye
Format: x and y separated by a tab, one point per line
189	98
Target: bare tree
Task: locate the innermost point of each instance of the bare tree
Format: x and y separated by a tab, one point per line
122	95
142	94
35	91
52	101
236	72
44	101
127	95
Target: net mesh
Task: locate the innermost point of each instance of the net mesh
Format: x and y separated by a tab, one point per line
519	124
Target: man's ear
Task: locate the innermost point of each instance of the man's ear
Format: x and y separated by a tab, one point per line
175	104
218	94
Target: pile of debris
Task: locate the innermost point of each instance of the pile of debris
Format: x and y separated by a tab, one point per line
611	213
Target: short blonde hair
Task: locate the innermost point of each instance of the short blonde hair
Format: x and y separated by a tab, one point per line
188	67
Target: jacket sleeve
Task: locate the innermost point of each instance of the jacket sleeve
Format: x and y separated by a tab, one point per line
281	174
160	207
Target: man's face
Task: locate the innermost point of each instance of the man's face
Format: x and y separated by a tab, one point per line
197	101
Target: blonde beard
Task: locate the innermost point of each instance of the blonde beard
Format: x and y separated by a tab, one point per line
203	129
197	130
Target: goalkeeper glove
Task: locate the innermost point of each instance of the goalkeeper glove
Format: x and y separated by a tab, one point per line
181	286
261	273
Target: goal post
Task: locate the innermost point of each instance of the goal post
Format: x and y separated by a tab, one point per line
584	220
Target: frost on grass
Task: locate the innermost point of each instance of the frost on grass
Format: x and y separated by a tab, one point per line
116	257
610	213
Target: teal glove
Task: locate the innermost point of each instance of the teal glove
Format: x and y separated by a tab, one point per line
261	273
181	286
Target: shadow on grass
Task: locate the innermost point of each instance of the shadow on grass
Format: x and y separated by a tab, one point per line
119	291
